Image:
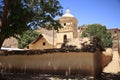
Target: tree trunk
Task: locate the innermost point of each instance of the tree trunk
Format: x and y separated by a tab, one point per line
2	38
4	21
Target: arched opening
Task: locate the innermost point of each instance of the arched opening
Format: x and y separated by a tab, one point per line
65	38
64	24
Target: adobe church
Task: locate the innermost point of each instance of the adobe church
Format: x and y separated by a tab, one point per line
49	39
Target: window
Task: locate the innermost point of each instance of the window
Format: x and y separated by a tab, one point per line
43	43
64	24
65	38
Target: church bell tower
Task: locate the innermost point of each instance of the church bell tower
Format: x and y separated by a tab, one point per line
69	27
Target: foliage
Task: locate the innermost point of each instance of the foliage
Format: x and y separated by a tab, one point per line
26	38
18	16
44	12
16	20
100	31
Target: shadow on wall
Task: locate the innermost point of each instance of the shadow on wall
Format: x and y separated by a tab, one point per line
56	63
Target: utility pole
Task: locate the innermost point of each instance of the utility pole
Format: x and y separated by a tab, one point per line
53	37
78	34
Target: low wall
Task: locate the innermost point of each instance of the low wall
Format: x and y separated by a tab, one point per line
68	63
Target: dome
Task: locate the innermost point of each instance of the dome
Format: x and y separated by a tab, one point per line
67	14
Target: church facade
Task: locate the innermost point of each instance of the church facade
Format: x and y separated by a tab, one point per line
54	39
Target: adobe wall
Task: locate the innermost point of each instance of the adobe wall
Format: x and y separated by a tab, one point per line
39	44
67	63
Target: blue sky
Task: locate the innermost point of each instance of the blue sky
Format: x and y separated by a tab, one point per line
105	12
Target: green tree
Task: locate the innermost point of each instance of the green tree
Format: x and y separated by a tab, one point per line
18	16
100	31
26	38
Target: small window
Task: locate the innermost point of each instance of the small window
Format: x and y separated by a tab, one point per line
64	24
43	43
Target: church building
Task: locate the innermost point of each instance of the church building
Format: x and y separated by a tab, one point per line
49	39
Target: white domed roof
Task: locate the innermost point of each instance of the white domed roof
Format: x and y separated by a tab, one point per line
67	14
